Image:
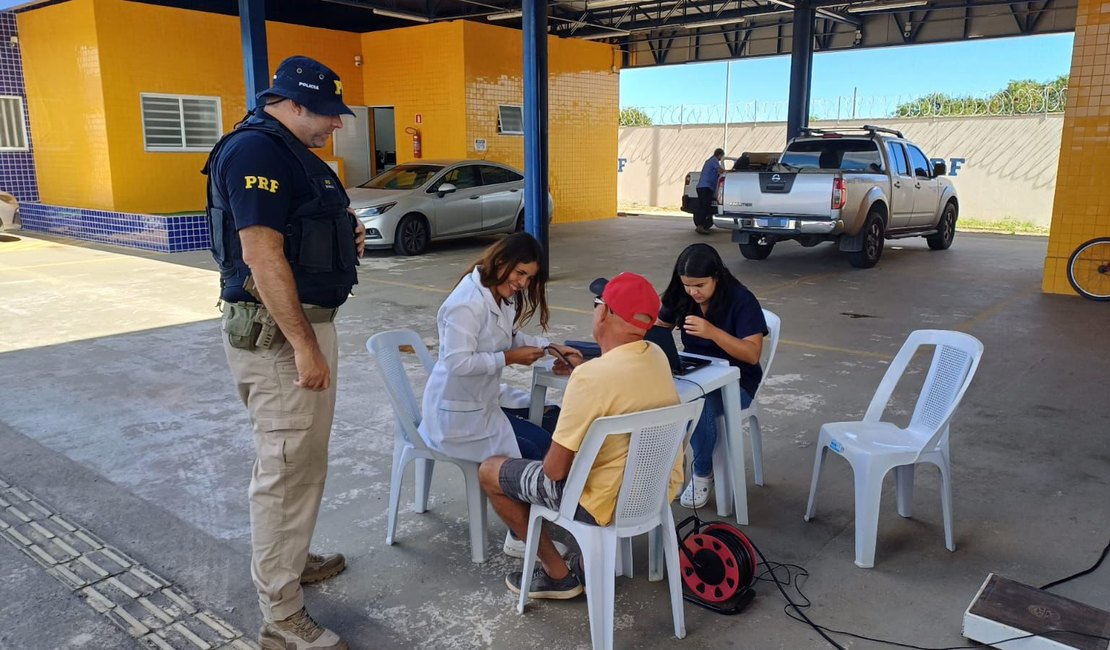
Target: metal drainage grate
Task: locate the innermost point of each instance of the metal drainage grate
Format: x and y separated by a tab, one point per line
145	605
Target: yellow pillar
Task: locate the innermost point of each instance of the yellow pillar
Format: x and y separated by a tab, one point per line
1081	210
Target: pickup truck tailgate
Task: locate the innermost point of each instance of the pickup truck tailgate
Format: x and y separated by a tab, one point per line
778	193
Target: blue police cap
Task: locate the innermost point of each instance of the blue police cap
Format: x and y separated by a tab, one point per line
309	83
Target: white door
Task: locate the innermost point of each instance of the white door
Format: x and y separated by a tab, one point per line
352	144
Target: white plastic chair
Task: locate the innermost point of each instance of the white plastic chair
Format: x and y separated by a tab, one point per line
409	446
657	436
873	447
750	415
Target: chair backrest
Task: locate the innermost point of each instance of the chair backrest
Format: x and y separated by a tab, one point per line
774	326
954	364
657	436
385	347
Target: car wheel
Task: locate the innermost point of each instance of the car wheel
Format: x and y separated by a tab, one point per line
873	236
754	250
946	230
412	235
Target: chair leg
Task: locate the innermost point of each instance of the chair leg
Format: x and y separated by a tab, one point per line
599	552
424	467
903	483
531	550
674	578
868	493
946	502
818	466
624	557
476	512
656	553
757	448
401	458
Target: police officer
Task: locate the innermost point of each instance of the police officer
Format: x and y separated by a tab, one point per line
287	248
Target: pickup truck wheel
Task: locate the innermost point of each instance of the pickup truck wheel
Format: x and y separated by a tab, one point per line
756	251
412	235
872	250
946	230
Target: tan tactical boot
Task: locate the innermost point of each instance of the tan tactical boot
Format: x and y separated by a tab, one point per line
321	567
298	632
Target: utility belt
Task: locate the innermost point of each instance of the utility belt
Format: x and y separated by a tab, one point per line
250	326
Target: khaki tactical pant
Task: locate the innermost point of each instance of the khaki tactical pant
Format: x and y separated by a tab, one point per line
292	427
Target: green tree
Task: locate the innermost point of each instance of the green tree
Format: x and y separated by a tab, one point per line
634	117
1019	97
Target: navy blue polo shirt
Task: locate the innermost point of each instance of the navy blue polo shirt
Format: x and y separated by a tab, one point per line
263	182
741	316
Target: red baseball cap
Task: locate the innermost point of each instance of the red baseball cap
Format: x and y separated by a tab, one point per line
629	294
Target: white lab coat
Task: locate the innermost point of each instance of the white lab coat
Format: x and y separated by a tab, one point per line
462	414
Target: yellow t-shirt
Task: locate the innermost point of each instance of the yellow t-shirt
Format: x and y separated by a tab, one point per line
633	377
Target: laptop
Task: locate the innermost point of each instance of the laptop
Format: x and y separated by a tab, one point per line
680	363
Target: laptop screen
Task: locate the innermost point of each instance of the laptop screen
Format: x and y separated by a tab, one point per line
662	337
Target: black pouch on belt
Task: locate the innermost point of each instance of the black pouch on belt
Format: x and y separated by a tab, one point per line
241	326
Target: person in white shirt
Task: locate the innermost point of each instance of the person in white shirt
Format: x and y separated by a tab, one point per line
479	334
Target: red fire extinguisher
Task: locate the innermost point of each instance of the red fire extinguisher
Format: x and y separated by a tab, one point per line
417	149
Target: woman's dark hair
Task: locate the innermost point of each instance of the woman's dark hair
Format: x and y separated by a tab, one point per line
698	261
496	265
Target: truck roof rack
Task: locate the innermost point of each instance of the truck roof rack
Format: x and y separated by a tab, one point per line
867	127
871	127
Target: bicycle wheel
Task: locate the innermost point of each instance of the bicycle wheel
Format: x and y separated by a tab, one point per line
1089	269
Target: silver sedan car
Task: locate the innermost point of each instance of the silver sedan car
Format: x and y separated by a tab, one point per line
412	204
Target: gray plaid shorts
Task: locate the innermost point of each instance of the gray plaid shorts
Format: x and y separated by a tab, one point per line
524	480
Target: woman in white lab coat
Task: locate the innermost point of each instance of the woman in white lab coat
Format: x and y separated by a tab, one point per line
478	336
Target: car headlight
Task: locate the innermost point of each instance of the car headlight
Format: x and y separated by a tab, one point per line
375	210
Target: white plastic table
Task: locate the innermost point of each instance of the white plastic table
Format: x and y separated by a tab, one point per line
700	382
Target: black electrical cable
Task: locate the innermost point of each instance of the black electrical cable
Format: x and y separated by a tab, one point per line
794	579
1081	573
817	628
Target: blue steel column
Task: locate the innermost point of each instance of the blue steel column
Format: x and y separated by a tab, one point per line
801	69
252	28
535	120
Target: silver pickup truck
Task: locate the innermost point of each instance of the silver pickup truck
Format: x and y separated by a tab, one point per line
856	187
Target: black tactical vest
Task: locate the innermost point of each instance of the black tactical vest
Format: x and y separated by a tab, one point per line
319	233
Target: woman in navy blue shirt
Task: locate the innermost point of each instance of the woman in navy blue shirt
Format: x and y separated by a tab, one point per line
720	318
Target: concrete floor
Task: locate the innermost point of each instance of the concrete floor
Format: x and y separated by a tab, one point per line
118	411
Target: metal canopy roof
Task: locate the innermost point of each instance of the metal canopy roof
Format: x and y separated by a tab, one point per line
660	32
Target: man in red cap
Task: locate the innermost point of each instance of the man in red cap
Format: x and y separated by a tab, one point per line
631	375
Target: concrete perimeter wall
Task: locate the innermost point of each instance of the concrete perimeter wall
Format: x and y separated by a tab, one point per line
1003	167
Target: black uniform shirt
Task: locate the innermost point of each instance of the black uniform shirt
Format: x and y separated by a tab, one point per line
263	182
741	317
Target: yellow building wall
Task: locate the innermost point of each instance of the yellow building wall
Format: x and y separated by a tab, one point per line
456	74
87	61
419	71
65	104
1081	210
583	87
139	48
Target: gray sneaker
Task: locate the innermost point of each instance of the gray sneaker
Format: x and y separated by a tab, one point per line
544	586
298	632
321	567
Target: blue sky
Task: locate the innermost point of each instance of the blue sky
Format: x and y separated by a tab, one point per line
975	67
